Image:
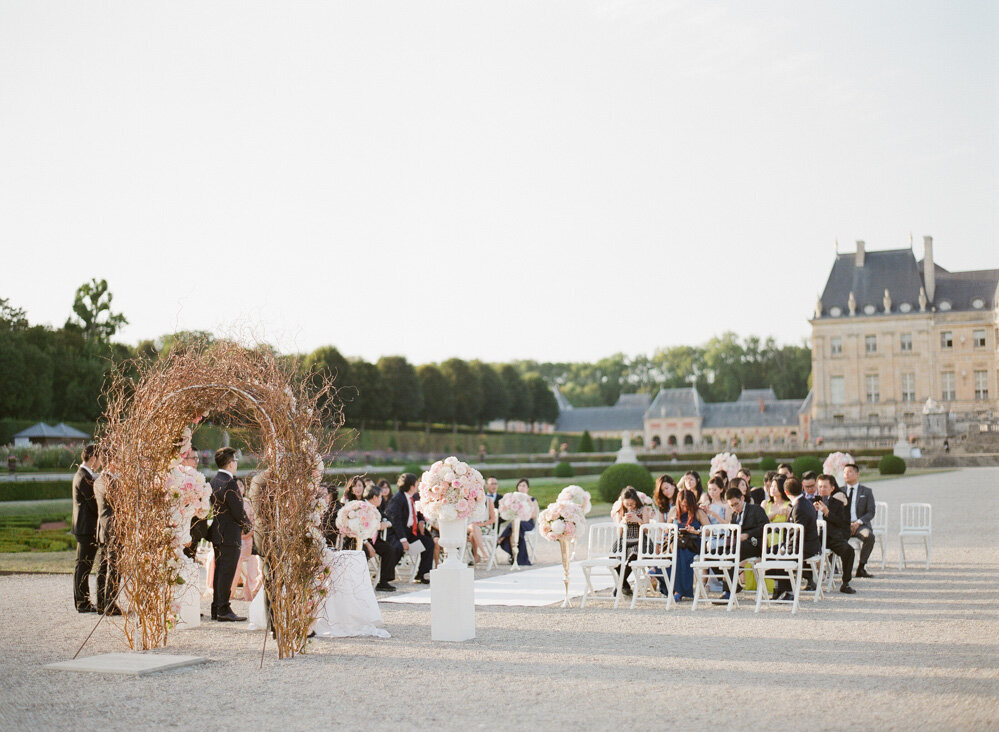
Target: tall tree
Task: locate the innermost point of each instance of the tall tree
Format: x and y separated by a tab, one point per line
92	306
403	385
466	391
544	407
520	404
438	401
372	400
324	364
495	400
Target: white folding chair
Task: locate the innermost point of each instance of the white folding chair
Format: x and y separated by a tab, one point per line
916	521
490	536
605	550
879	527
656	558
720	544
817	563
531	537
782	557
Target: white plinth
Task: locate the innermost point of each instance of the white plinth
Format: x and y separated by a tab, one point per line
189	596
627	455
452	604
135	664
902	449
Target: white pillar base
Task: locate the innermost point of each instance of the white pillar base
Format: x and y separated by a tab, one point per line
452	604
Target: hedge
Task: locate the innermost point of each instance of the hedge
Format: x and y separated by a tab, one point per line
35	490
804	463
618	477
564	470
768	463
891	465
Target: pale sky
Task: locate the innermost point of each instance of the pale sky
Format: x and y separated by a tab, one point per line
548	180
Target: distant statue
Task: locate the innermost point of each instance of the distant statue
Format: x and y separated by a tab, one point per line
922	300
818	307
852	304
886	301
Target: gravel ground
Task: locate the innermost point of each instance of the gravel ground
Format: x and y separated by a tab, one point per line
913	649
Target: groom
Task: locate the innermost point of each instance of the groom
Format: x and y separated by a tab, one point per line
227	531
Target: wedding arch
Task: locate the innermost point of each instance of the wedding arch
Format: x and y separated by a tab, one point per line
150	408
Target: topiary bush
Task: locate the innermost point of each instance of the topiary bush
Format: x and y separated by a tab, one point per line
413	468
586	443
768	463
618	477
891	465
804	463
564	470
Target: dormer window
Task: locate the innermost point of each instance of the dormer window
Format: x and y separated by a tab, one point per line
944	306
978	303
869	309
905	308
835	312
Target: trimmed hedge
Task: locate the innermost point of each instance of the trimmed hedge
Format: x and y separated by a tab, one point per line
768	463
804	463
618	477
564	470
35	490
891	465
413	468
585	443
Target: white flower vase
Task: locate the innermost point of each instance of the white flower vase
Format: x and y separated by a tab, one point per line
515	544
452	539
564	546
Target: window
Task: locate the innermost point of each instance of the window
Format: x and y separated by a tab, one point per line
905	341
981	385
909	417
872	388
908	387
835	346
948	392
838	418
872	417
871	344
978	337
946	339
905	307
837	390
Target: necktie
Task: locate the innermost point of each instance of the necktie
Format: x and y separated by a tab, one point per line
412	510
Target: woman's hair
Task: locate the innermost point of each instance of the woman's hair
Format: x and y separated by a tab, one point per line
719	482
690	501
779	481
663	502
632	494
522	480
740	485
769	475
698	487
334	493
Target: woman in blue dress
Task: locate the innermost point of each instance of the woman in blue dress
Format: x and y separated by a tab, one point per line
689	519
523	559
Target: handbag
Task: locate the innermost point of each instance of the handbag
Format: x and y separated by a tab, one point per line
690	542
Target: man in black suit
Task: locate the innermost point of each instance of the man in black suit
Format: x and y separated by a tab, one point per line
407	524
389	551
751	519
860	500
228	527
107	570
834	507
802	512
85	527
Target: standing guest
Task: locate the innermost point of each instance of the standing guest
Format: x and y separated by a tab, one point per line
689	520
663	497
803	513
85	527
785	470
834	507
251	575
408	526
228	527
492	491
107	570
523	559
199	525
630	513
389	551
808	487
862	507
750	518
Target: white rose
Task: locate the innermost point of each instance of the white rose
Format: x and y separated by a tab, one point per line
448	513
460	469
448	475
558	526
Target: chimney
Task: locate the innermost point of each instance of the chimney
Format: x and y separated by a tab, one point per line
929	269
860	253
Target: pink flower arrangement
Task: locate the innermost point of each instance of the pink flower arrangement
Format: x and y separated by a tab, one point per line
727	461
451	490
516	505
561	520
575	494
189	495
836	463
359	520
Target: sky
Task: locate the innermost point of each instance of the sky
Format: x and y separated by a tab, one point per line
502	180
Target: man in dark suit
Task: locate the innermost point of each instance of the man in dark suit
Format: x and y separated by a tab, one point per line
860	500
228	527
803	513
389	551
407	525
492	491
107	570
834	507
751	519
85	527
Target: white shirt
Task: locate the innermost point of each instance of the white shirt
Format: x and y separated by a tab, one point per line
226	472
851	491
89	471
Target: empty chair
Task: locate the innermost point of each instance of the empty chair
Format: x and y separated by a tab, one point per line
604	552
879	527
818	563
783	545
656	558
916	521
720	544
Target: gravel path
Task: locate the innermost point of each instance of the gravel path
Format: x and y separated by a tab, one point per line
913	649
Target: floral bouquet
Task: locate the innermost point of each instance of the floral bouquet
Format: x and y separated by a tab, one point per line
451	490
358	520
189	495
575	494
836	463
516	505
561	520
727	461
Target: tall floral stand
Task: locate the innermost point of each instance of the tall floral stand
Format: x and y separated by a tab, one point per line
452	595
515	543
566	558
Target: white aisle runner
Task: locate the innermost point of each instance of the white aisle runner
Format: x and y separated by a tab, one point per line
526	588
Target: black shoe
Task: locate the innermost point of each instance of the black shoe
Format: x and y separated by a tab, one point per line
215	614
230	617
786	596
384	587
626	590
847	590
421	579
861	572
810	587
88	608
311	635
111	610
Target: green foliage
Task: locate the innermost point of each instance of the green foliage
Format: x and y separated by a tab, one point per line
544	408
618	477
768	463
92	306
403	385
35	490
438	405
22	533
393	443
413	468
466	391
495	400
585	443
804	463
328	364
564	470
519	394
371	399
891	465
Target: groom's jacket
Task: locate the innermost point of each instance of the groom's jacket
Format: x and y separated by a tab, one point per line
230	520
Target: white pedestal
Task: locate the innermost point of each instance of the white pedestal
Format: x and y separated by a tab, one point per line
902	449
452	604
627	455
189	596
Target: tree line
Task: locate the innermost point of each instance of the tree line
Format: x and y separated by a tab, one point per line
58	373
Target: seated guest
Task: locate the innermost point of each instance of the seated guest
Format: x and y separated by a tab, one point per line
328	522
663	497
390	551
691	480
862	509
833	506
785	470
504	541
751	519
808	489
803	513
630	513
746	474
385	492
689	520
479	553
778	506
713	500
492	491
408	526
